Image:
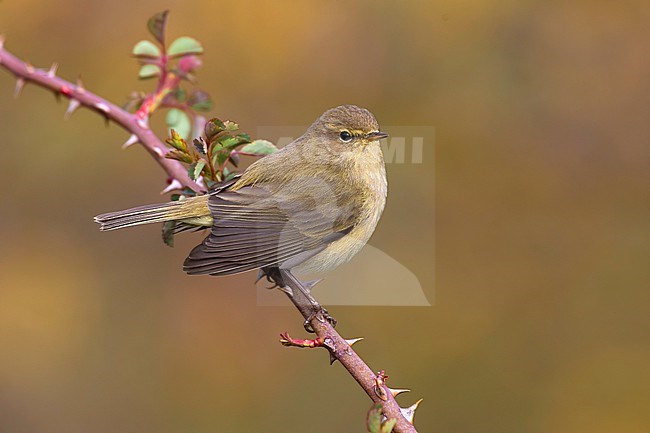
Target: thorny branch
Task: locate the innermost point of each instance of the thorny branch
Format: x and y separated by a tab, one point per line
137	124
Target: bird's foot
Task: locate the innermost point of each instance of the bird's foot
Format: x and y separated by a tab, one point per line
320	314
276	282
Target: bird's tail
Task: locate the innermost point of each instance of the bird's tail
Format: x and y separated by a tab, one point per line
193	211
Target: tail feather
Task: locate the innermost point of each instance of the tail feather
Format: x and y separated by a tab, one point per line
191	209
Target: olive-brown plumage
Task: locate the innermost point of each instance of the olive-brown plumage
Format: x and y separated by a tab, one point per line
309	206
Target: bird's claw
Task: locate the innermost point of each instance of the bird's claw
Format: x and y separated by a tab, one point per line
322	315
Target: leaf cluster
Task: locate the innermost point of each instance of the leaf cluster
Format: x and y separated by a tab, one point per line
171	65
221	145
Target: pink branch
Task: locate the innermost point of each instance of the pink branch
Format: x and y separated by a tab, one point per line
341	350
136	124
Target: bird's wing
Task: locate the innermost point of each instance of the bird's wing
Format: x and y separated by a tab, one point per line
266	225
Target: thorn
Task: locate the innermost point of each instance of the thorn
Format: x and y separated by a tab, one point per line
80	85
131	141
310	284
395	392
173	185
20	83
332	358
353	340
102	107
52	72
2	42
159	152
409	412
72	106
29	68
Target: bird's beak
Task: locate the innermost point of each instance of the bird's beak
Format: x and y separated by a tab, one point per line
376	135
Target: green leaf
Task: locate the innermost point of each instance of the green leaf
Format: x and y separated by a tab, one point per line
177	119
387	426
148	71
259	147
156	26
231	175
229	142
213	127
168	233
221	158
231	126
195	169
184	45
188	192
244	137
176	141
179	156
373	420
146	48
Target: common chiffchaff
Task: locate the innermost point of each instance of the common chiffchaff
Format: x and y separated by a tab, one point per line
308	207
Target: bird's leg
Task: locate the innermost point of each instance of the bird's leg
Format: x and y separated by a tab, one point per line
305	289
289	284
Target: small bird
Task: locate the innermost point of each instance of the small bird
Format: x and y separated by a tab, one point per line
308	207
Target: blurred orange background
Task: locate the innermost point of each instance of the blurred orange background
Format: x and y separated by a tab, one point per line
538	220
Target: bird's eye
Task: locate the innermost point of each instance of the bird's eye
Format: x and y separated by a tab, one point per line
345	136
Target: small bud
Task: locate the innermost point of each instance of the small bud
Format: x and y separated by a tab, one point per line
131	141
72	106
143	122
20	83
52	71
286	340
189	64
66	90
173	185
380	381
409	412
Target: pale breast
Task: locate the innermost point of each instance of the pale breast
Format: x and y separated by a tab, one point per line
373	178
